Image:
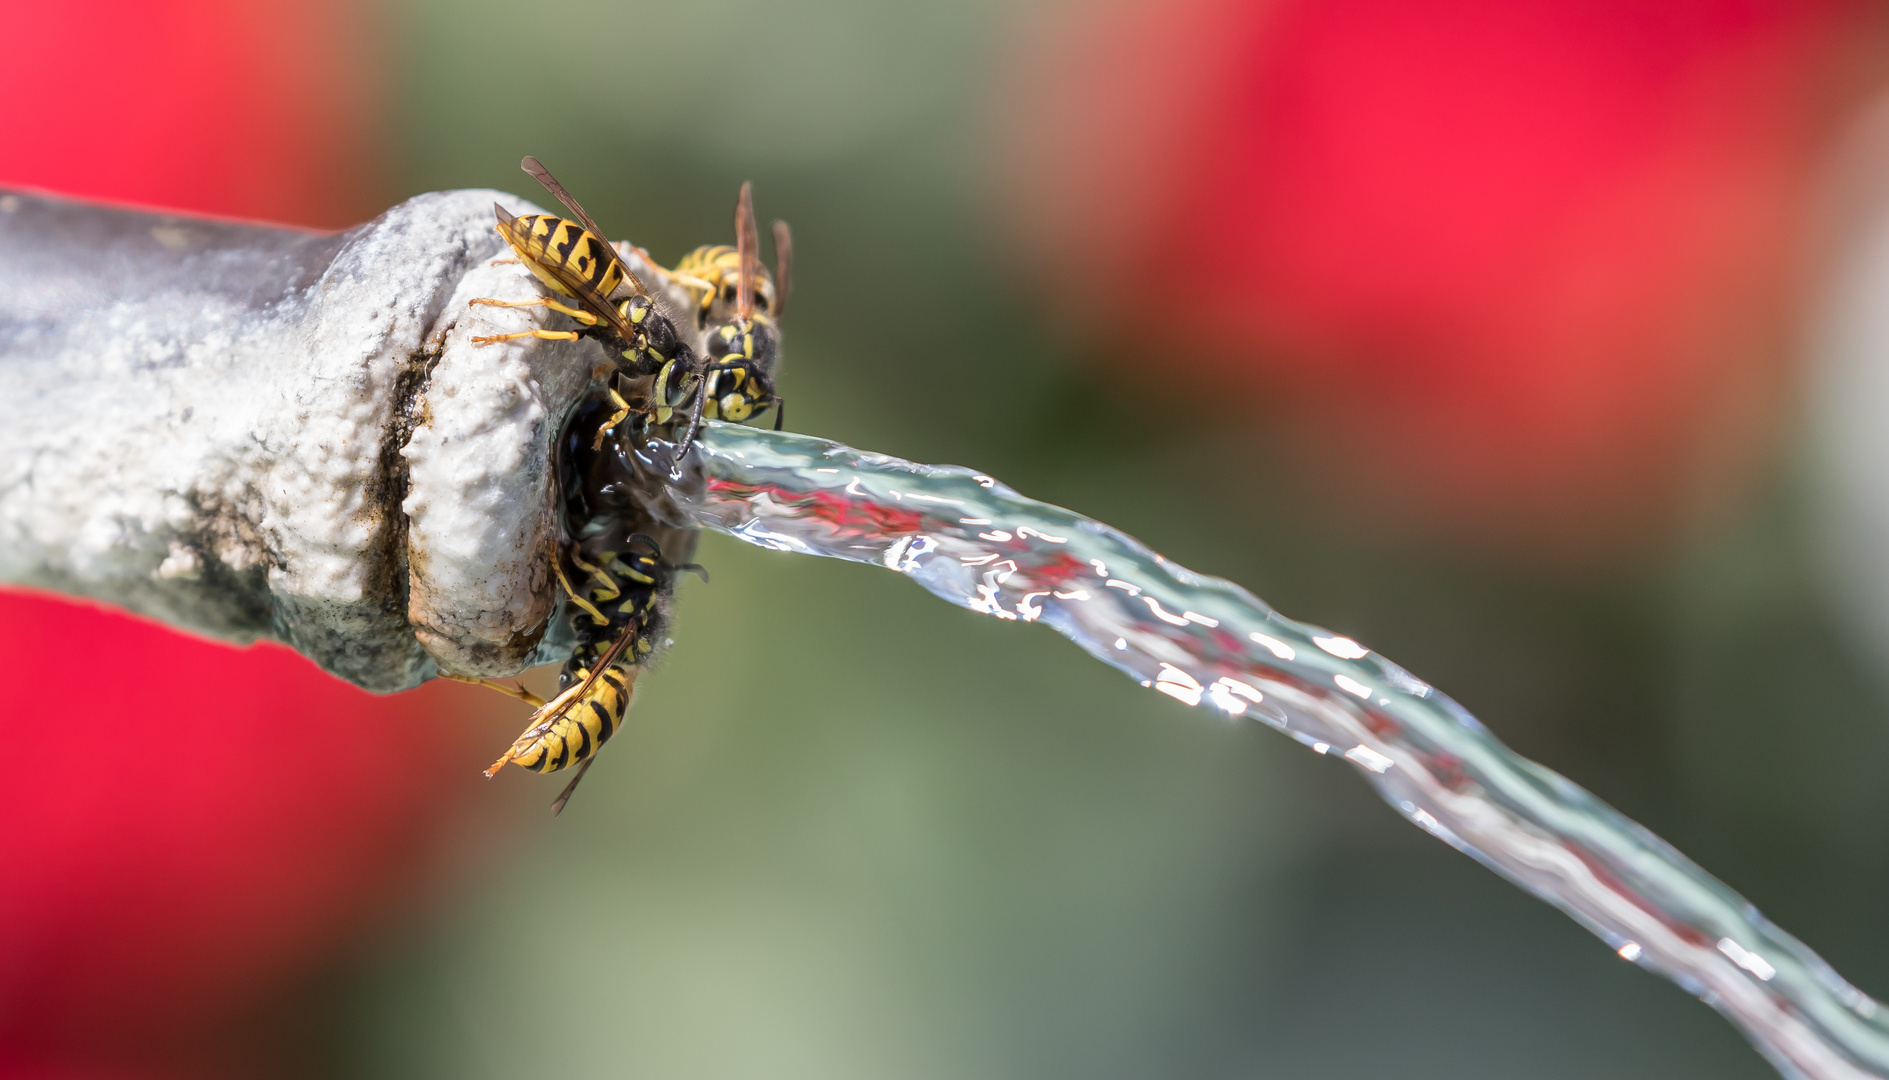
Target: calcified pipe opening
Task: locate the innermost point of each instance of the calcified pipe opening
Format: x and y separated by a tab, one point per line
254	432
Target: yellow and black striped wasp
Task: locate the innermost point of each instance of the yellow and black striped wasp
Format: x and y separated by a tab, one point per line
743	351
573	260
712	272
618	612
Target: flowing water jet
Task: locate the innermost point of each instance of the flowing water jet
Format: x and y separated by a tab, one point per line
1209	643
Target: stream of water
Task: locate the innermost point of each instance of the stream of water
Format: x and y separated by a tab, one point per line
1207	643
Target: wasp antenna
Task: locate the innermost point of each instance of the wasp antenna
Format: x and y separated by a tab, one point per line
748	246
695	419
696	568
783	267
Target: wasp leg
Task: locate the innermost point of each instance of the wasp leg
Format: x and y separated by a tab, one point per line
557	805
542	335
708	290
623	410
518	692
598	574
579	314
780	413
578	597
513	261
702	389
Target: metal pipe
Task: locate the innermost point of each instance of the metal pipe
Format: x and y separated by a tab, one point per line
251	431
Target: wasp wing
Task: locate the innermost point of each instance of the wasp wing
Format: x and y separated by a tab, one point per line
555	709
557	805
574	284
748	247
783	268
542	175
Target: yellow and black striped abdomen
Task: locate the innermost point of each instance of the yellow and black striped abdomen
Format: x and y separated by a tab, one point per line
576	732
564	255
711	262
713	272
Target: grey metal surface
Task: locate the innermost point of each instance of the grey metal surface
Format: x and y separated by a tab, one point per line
202	420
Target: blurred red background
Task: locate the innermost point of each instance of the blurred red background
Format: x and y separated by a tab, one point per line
1519	273
262	111
194	831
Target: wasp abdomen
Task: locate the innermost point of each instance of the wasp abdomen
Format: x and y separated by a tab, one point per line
580	729
546	243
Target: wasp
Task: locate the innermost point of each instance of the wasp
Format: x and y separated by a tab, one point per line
733	381
573	260
742	352
713	272
619	613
